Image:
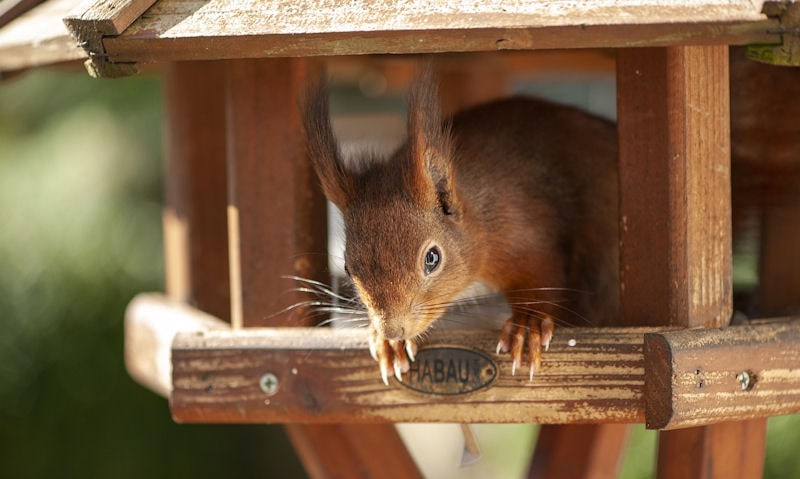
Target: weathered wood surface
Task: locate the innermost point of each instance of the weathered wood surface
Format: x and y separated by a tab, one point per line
198	29
675	257
89	23
328	376
697	377
39	37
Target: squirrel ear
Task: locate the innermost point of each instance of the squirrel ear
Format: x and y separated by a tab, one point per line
430	145
322	147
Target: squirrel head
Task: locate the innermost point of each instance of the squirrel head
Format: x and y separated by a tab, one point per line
404	219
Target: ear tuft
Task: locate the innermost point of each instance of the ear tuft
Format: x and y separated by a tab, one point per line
322	147
430	144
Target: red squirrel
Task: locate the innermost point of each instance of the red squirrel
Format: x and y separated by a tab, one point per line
519	194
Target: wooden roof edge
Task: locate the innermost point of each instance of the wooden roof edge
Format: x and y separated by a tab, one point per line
117	34
91	22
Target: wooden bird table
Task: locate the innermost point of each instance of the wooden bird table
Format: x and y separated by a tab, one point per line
243	208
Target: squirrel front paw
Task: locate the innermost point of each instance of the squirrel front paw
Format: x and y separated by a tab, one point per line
392	354
518	330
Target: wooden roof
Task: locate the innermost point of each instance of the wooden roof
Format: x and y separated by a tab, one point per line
129	31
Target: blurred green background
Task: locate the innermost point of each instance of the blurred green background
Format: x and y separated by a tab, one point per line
80	235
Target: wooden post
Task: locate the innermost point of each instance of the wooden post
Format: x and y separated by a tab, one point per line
579	450
195	237
675	221
277	227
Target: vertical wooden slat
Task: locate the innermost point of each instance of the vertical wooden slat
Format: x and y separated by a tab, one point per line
578	451
195	238
277	227
276	212
673	108
675	260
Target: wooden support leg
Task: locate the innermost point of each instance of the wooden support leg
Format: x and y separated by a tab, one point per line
675	223
578	450
276	224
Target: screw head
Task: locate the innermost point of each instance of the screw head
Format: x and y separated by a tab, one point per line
268	384
744	380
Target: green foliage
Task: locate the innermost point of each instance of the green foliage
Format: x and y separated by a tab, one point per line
80	196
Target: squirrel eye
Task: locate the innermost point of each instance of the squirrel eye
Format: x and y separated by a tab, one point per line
432	259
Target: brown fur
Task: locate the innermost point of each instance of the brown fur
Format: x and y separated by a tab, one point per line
520	194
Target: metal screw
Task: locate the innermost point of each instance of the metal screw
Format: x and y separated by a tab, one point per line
269	384
744	379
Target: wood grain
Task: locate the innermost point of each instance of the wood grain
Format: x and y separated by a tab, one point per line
702	373
675	176
328	376
196	29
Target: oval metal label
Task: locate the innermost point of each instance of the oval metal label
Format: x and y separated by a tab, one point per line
449	370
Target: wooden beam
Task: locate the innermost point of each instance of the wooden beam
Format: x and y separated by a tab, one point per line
675	258
276	210
195	221
729	450
716	375
199	29
600	446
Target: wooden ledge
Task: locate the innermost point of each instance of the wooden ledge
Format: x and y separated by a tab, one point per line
322	375
697	377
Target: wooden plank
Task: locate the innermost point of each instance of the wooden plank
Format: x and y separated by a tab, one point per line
727	374
39	37
328	376
675	176
276	211
198	29
195	215
599	446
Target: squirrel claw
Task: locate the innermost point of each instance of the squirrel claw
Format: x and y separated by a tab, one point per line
392	355
517	332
